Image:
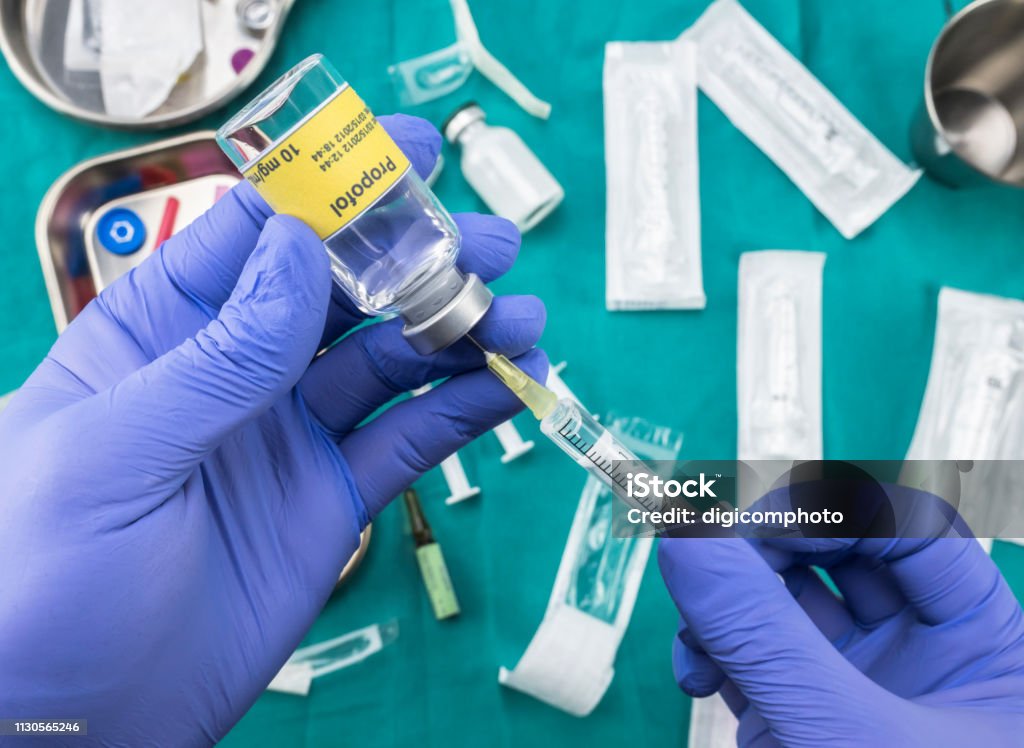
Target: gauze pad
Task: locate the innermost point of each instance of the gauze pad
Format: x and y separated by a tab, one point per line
652	242
778	360
776	102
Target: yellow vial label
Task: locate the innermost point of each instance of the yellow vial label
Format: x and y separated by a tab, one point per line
332	167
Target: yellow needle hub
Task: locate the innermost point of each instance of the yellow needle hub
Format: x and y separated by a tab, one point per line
539	399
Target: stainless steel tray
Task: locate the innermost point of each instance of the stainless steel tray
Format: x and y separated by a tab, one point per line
32	41
74	199
192	198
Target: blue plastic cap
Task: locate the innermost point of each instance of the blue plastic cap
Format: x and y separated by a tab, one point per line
121	231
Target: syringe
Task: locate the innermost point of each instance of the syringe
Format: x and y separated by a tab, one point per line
575	431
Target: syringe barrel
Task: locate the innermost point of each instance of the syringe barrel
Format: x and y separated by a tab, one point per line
592	446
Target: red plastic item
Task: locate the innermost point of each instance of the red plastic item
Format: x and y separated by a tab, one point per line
167	222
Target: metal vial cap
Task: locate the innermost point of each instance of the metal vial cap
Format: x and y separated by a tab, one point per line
447	314
460	119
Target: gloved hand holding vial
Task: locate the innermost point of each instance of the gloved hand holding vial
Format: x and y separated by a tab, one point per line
203	481
184	475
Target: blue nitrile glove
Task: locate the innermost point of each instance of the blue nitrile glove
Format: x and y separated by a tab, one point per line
925	648
180	486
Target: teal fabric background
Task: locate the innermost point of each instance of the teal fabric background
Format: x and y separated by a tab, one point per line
436	685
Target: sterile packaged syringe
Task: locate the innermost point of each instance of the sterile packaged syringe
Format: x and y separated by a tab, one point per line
652	242
972	409
776	102
974	399
314	150
778	356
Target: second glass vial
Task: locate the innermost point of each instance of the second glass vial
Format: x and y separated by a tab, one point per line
502	169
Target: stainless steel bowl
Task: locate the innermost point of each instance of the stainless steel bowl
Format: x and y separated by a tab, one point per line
32	41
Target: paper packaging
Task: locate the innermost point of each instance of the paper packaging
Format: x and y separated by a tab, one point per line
778	361
147	46
776	102
431	76
569	663
308	663
973	402
712	724
778	383
652	245
972	396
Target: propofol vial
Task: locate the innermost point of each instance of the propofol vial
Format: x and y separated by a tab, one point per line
314	150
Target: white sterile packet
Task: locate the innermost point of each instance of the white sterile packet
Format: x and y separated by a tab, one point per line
308	663
712	724
432	75
652	242
569	663
778	356
972	403
776	102
973	406
778	382
147	46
